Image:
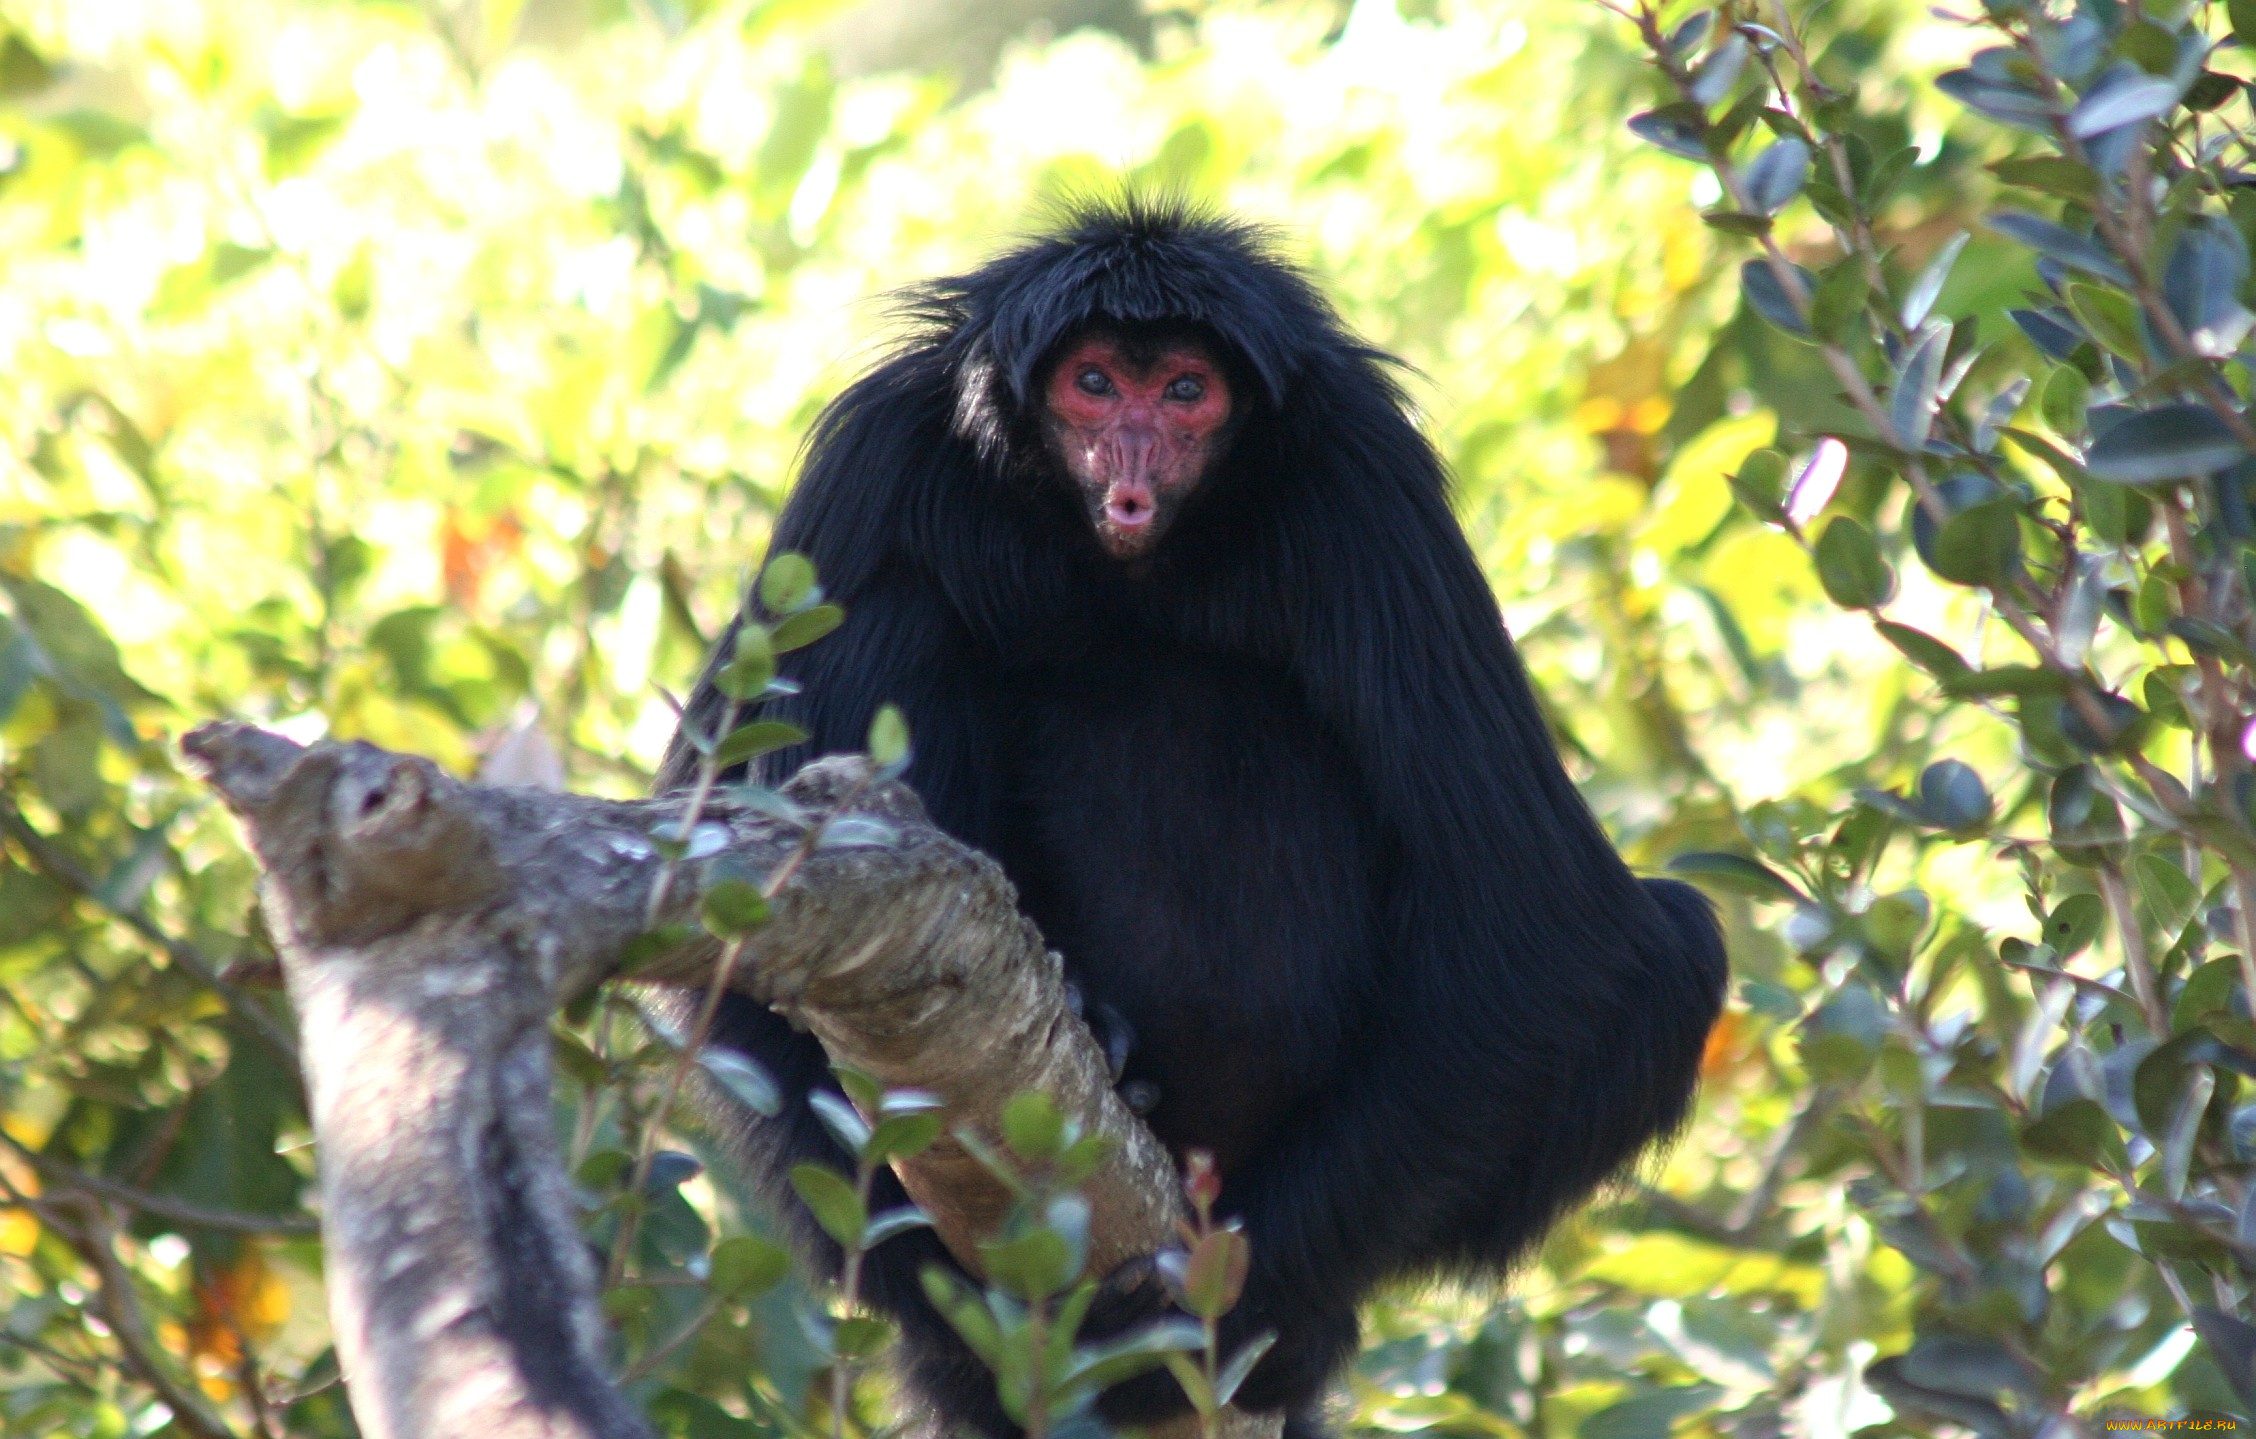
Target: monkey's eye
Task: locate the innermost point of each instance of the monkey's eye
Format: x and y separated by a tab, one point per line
1186	388
1092	381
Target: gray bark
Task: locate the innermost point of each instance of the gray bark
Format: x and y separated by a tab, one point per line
428	929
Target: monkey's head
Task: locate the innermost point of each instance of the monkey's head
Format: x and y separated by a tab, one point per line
1124	357
1136	421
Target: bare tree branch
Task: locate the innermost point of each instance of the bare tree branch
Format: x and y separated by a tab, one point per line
428	928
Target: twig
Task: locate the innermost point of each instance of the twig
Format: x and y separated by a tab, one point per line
180	1211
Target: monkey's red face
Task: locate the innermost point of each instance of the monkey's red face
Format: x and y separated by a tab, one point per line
1137	428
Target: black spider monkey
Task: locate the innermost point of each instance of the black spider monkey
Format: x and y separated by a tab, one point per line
1144	544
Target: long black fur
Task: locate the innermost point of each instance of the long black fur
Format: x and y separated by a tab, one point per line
1281	797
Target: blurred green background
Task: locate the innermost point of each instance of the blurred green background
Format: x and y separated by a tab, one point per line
431	373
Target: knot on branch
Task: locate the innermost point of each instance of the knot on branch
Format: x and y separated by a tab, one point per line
358	843
848	783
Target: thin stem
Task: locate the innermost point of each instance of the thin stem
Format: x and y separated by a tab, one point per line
701	1030
2136	962
850	1298
180	1211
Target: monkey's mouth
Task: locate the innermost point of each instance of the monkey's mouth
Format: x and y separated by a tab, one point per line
1127	516
1128	511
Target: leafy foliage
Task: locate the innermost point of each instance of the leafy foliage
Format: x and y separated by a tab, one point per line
431	375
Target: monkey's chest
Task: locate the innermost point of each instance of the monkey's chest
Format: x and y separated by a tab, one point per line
1203	855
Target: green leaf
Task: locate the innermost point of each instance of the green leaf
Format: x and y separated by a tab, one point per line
904	1136
651	946
2053	174
2063	400
2170	897
1777	175
604	1169
2170	442
1193	1379
964	1313
732	909
2242	15
2074	923
833	1202
1767	297
1714	76
804	628
2210	90
1033	1128
751	664
1736	222
2081	816
745	1267
761	737
843	1120
1911	403
1760	484
1919	300
1739	873
1140	1350
1850	567
1032	1266
1924	650
1650	1415
2070	249
1680	129
894	1221
1979	544
2021	681
1843	1036
1206	1279
2063	464
786	583
860	1337
889	738
743	1078
1774	1000
2110	317
2120	99
862	1088
1952	797
2079	1132
1839	298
